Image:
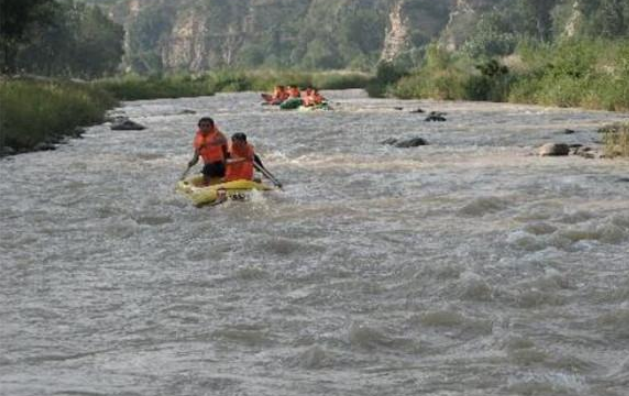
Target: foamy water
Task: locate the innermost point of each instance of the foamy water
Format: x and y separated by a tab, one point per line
465	267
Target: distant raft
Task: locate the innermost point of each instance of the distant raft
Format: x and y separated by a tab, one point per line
291	104
192	187
319	107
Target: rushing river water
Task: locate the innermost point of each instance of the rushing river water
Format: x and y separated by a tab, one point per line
465	267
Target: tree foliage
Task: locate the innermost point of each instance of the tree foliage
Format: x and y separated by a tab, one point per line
79	41
59	38
16	16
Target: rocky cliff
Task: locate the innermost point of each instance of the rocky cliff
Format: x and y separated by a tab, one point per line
198	35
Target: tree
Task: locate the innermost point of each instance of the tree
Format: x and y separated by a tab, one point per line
490	37
612	18
79	41
540	12
16	16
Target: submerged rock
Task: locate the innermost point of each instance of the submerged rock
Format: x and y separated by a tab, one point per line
554	149
412	142
435	116
389	141
406	143
126	125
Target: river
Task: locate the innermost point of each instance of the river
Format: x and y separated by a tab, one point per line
470	266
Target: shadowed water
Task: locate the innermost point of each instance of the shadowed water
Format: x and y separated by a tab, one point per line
465	267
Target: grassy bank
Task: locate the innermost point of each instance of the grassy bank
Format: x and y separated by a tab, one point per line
34	111
206	84
616	139
43	111
588	74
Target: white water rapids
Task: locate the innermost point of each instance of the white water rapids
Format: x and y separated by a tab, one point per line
464	267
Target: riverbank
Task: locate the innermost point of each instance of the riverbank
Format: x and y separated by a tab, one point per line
587	74
37	113
57	109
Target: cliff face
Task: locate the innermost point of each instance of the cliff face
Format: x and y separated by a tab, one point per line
463	16
198	35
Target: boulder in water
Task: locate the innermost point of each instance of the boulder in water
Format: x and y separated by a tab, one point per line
435	116
126	125
406	143
412	142
389	141
554	149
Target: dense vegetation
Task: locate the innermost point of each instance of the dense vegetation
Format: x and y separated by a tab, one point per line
133	87
36	111
568	57
573	73
62	38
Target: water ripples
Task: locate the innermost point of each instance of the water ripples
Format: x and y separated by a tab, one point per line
464	267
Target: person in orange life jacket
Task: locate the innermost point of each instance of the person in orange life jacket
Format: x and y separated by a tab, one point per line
241	159
307	97
315	97
293	91
211	145
279	94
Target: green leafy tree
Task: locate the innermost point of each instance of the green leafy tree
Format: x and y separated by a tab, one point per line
491	37
540	11
612	18
16	16
80	41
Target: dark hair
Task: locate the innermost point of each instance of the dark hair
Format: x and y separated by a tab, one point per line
239	136
206	119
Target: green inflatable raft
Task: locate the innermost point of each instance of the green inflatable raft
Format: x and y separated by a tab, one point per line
291	104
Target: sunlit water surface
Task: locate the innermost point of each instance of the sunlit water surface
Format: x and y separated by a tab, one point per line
465	267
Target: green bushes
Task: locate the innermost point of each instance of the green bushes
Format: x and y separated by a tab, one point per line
616	140
136	88
585	73
592	74
155	87
35	111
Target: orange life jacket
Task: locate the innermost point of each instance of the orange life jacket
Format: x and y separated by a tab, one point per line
316	98
278	93
210	146
242	169
308	100
294	92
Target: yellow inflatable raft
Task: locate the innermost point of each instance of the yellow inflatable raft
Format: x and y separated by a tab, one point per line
217	192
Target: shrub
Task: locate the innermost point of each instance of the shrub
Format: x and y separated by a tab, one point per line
616	140
35	111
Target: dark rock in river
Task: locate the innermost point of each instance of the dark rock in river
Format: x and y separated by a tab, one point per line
435	116
44	146
418	110
407	143
126	125
554	149
389	141
412	142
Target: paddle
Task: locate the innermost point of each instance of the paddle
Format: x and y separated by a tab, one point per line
257	163
185	173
